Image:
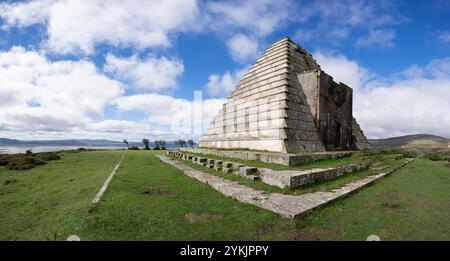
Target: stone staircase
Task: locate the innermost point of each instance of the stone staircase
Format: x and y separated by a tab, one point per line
288	206
285	179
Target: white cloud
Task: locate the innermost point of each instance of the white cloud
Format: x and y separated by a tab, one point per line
152	73
381	38
337	20
405	107
343	70
445	37
243	48
40	95
179	118
66	99
304	35
222	85
79	25
437	68
26	14
246	23
118	126
258	17
413	101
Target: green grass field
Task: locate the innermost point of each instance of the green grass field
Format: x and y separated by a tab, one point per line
148	200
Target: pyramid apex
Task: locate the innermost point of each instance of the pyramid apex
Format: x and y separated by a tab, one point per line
284	39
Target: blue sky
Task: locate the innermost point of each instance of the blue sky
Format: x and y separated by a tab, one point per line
115	69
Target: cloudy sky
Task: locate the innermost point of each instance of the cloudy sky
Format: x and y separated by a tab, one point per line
129	69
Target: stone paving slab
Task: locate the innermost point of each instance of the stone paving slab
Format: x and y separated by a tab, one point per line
102	190
298	178
272	157
288	206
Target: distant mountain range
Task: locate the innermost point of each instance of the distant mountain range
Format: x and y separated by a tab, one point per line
69	142
417	141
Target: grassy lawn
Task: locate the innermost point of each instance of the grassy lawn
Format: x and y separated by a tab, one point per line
149	200
411	204
53	199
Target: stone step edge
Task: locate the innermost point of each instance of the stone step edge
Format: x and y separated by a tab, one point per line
283	179
224	166
292	179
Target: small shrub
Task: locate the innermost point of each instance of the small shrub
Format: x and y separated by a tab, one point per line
133	148
27	161
409	154
48	156
3	160
433	156
9	181
154	190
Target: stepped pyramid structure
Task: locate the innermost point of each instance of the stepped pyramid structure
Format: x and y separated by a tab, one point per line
286	104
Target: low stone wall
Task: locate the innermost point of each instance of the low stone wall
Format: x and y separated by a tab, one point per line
295	179
218	165
272	157
288	206
279	178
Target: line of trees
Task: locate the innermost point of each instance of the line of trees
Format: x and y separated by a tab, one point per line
159	144
183	143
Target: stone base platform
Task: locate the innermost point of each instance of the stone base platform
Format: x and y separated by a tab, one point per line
288	206
298	178
272	157
280	178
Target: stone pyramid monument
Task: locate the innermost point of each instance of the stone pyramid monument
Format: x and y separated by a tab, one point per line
286	104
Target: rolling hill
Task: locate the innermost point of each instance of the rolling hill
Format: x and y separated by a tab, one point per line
413	142
69	142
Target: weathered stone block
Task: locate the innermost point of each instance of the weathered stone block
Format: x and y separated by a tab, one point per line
244	171
201	161
272	157
227	164
252	177
237	165
227	170
295	178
